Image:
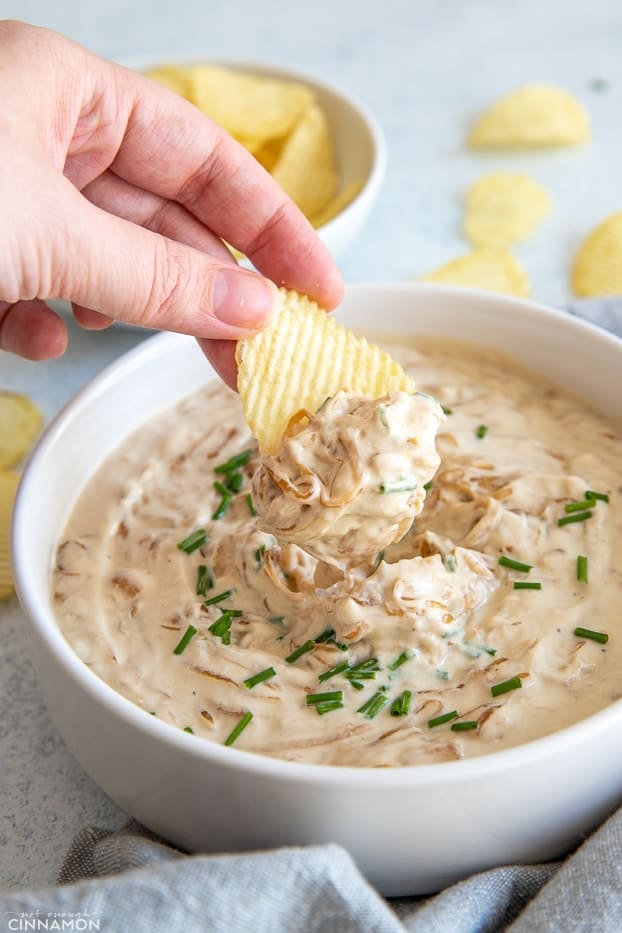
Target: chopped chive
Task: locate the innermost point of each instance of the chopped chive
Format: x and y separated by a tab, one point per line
189	729
226	638
401	659
222	489
276	620
322	708
427	486
152	712
327	635
465	726
400	485
258	554
251	507
298	653
447	411
401	705
219	598
239	460
440	720
578	506
601	637
575	517
196	540
221	626
356	684
205	579
514	683
596	496
330	697
514	564
241	726
259	678
527	585
379	558
581	568
450	563
382	414
234	481
364	670
442	675
333	671
373	705
491	651
481	431
185	639
223	505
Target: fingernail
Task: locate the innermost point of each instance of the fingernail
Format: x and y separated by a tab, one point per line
243	299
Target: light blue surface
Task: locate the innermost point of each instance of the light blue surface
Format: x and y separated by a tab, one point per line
425	69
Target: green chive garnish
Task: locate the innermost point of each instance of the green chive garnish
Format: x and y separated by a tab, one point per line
259	678
481	431
152	712
234	481
189	729
219	598
251	507
526	585
258	554
328	637
205	580
298	653
185	639
333	671
465	726
223	505
241	726
220	628
333	696
514	564
575	517
222	489
322	708
440	720
581	568
239	460
596	496
196	540
365	670
373	705
514	683
427	486
401	705
276	620
400	485
447	411
578	506
601	637
401	659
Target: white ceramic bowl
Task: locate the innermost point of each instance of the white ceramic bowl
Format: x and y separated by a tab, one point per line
360	148
411	830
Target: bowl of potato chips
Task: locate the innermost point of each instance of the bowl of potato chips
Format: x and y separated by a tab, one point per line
325	149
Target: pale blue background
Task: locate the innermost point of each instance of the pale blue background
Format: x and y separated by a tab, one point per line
425	69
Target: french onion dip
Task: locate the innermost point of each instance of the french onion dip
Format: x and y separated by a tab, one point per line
408	580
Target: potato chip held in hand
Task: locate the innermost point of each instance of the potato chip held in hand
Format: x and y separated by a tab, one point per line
503	208
494	270
597	268
8	488
20	422
302	358
533	116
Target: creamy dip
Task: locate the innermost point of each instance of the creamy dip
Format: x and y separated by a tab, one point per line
411	639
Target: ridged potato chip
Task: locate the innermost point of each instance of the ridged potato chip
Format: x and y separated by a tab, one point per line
305	169
301	358
251	108
597	269
533	116
495	270
20	422
503	208
8	488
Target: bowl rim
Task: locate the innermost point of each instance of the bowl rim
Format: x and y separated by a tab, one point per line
41	617
371	185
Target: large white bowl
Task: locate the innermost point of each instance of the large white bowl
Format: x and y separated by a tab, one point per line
358	140
411	830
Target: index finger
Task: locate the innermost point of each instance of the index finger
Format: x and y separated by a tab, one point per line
175	151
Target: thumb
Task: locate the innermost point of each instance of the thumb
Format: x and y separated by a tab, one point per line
120	269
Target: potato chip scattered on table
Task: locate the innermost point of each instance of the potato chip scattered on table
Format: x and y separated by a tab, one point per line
8	488
301	358
597	269
494	270
503	208
536	115
20	422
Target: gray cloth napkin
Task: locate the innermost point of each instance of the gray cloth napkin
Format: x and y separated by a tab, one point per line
131	881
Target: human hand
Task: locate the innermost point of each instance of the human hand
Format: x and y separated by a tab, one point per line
115	195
